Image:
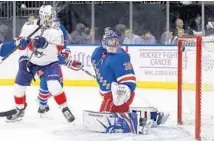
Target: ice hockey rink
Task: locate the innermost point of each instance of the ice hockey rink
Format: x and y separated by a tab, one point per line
54	127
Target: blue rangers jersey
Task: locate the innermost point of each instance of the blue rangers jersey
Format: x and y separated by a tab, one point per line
111	67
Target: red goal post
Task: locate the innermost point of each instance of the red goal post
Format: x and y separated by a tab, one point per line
182	42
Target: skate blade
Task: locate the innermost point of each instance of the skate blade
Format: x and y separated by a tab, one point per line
147	127
43	115
164	119
15	120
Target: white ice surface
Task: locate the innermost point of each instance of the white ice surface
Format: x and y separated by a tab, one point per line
53	126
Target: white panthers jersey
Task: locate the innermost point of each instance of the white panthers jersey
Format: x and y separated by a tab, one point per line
55	39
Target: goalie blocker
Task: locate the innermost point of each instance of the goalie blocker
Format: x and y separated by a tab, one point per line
138	121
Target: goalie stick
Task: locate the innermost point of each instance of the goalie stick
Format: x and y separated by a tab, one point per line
87	72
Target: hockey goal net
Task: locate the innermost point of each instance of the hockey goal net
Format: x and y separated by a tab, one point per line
196	86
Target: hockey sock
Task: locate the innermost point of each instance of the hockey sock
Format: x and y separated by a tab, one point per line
20	101
61	99
43	98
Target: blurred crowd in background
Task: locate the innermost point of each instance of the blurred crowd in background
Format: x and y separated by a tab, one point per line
148	21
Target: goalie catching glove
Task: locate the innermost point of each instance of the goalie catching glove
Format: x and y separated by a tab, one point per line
120	92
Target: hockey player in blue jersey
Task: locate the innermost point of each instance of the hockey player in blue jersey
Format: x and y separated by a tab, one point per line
116	79
64	59
117	82
115	75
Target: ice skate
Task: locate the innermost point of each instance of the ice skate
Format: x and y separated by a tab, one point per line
17	116
162	118
43	109
145	126
68	115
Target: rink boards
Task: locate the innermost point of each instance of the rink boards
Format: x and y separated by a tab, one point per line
155	67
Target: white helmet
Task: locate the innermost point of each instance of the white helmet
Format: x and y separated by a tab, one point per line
47	14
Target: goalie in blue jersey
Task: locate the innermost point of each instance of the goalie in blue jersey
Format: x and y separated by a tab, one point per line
117	82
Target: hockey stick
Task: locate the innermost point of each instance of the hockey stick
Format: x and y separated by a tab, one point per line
8	113
87	72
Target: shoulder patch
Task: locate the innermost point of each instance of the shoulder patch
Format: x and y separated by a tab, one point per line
127	65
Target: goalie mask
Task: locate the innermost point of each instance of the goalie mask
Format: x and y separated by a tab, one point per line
111	42
47	15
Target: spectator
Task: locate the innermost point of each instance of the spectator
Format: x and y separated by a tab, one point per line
148	38
120	30
3	32
87	31
177	32
174	39
131	38
78	36
179	26
209	29
95	32
196	26
165	37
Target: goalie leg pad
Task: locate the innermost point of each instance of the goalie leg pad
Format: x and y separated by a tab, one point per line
110	122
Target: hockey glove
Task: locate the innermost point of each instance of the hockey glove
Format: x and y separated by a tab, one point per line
39	44
22	42
120	93
73	64
65	52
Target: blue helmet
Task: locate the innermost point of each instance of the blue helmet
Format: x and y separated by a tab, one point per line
111	39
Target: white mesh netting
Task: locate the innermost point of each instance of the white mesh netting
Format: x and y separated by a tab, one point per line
207	89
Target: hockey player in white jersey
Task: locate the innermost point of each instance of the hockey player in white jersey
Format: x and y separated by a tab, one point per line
41	54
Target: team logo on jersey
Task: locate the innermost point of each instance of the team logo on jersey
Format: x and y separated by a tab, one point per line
128	66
